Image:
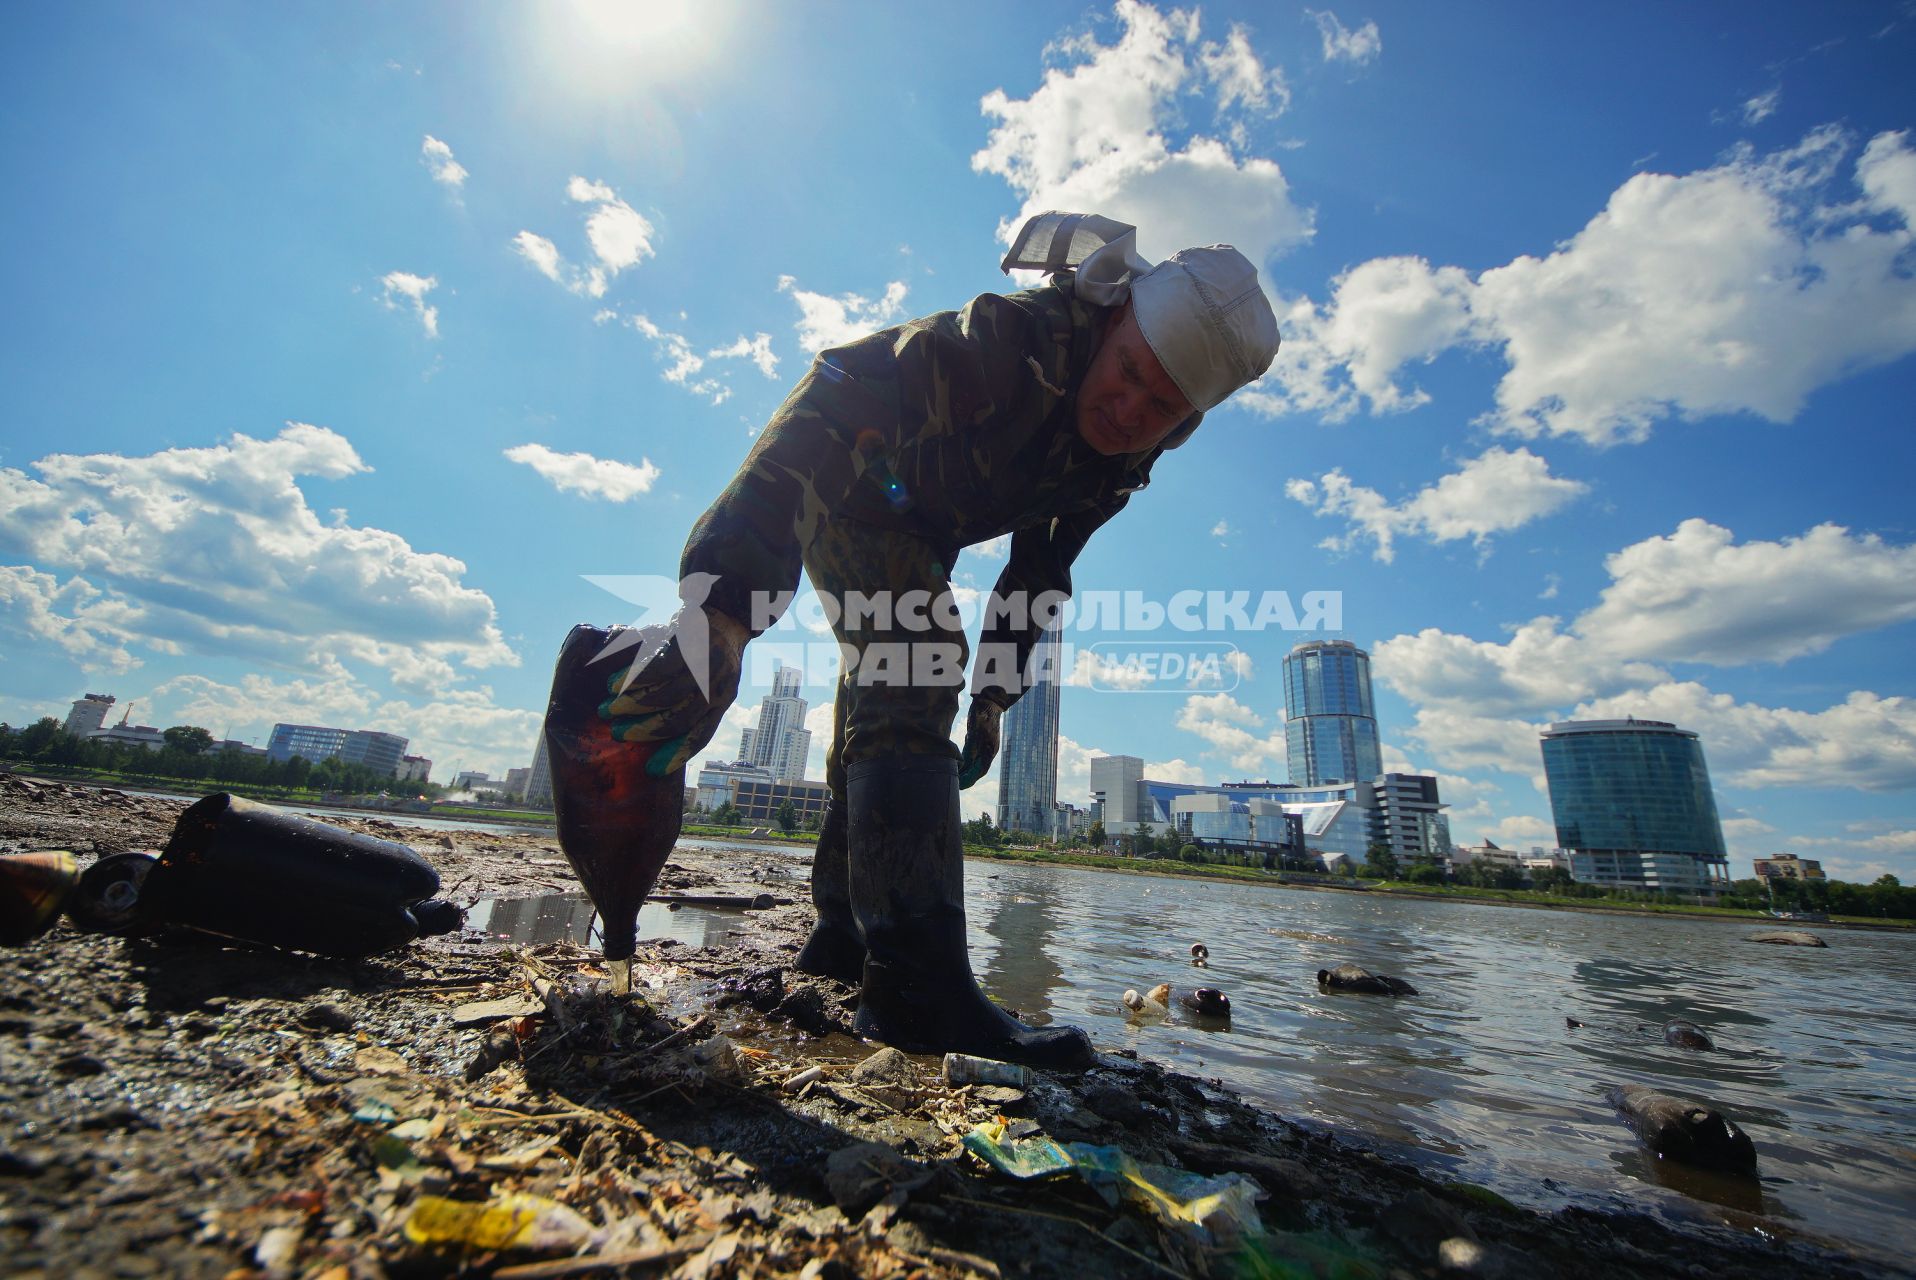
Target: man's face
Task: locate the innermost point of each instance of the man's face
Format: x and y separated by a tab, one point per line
1127	402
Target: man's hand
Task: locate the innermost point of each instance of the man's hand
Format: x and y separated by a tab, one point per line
981	740
663	704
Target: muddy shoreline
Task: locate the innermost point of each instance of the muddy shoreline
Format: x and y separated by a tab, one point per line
176	1106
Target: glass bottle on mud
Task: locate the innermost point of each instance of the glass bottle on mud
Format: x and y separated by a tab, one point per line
617	823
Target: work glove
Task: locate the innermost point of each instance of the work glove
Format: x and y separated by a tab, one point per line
981	740
661	702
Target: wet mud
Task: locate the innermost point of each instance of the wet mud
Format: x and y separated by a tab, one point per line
178	1106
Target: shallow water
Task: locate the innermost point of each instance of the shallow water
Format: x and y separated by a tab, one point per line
1478	1077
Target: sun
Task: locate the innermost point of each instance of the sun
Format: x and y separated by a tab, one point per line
606	44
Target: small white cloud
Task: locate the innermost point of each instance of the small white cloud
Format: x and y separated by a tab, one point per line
684	364
1551	583
757	349
404	284
1341	44
437	157
618	235
1762	106
1230	728
1496	492
1221	530
583	474
1238	75
825	321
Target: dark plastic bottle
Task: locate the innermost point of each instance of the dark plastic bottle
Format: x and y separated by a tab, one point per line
617	823
249	871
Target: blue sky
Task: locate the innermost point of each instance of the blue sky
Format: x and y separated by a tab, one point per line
344	342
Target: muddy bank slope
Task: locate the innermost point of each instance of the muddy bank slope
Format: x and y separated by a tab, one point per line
176	1106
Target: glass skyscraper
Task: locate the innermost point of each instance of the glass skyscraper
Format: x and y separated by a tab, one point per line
1632	803
1028	752
1330	728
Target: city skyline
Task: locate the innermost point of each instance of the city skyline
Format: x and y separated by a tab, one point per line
420	328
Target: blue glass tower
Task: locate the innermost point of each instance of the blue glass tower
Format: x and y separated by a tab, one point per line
1633	805
1028	759
1330	729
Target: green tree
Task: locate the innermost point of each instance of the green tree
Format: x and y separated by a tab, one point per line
726	815
1380	862
787	818
189	738
1096	835
1191	853
38	736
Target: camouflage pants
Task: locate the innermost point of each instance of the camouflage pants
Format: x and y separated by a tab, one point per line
904	666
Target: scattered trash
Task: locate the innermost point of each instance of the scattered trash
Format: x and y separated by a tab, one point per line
1222	1206
1153	1004
962	1068
246	870
1683	1130
478	1012
1206	1002
33	888
1200	955
509	1222
1686	1035
1348	977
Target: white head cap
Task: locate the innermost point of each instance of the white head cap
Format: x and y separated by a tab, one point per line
1207	321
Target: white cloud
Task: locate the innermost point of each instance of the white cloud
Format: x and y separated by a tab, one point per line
219	552
1698	596
757	349
1230	729
1221	530
1738	289
92	627
1383	315
1175	770
825	321
1238	75
618	235
1107	671
1522	831
437	157
1693	597
685	364
992	548
1497	491
1095	135
542	254
584	474
466	728
404	284
1341	44
1762	106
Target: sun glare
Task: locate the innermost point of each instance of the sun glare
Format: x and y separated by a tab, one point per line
606	43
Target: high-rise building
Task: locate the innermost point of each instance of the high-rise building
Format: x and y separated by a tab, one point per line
1116	791
1633	806
380	752
539	781
1330	728
779	743
413	769
1028	750
88	716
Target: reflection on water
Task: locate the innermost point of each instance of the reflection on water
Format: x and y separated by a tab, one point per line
1477	1075
569	917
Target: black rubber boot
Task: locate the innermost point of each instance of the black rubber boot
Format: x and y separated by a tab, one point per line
907	891
834	950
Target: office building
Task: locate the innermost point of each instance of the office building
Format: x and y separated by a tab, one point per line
516	780
539	781
1787	866
1028	754
380	752
88	715
1633	807
716	780
1330	727
1401	810
471	779
1116	791
413	769
779	742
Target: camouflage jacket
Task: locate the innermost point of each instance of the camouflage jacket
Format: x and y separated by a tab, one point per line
957	428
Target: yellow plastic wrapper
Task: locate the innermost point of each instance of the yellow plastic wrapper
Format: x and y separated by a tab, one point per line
511	1222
